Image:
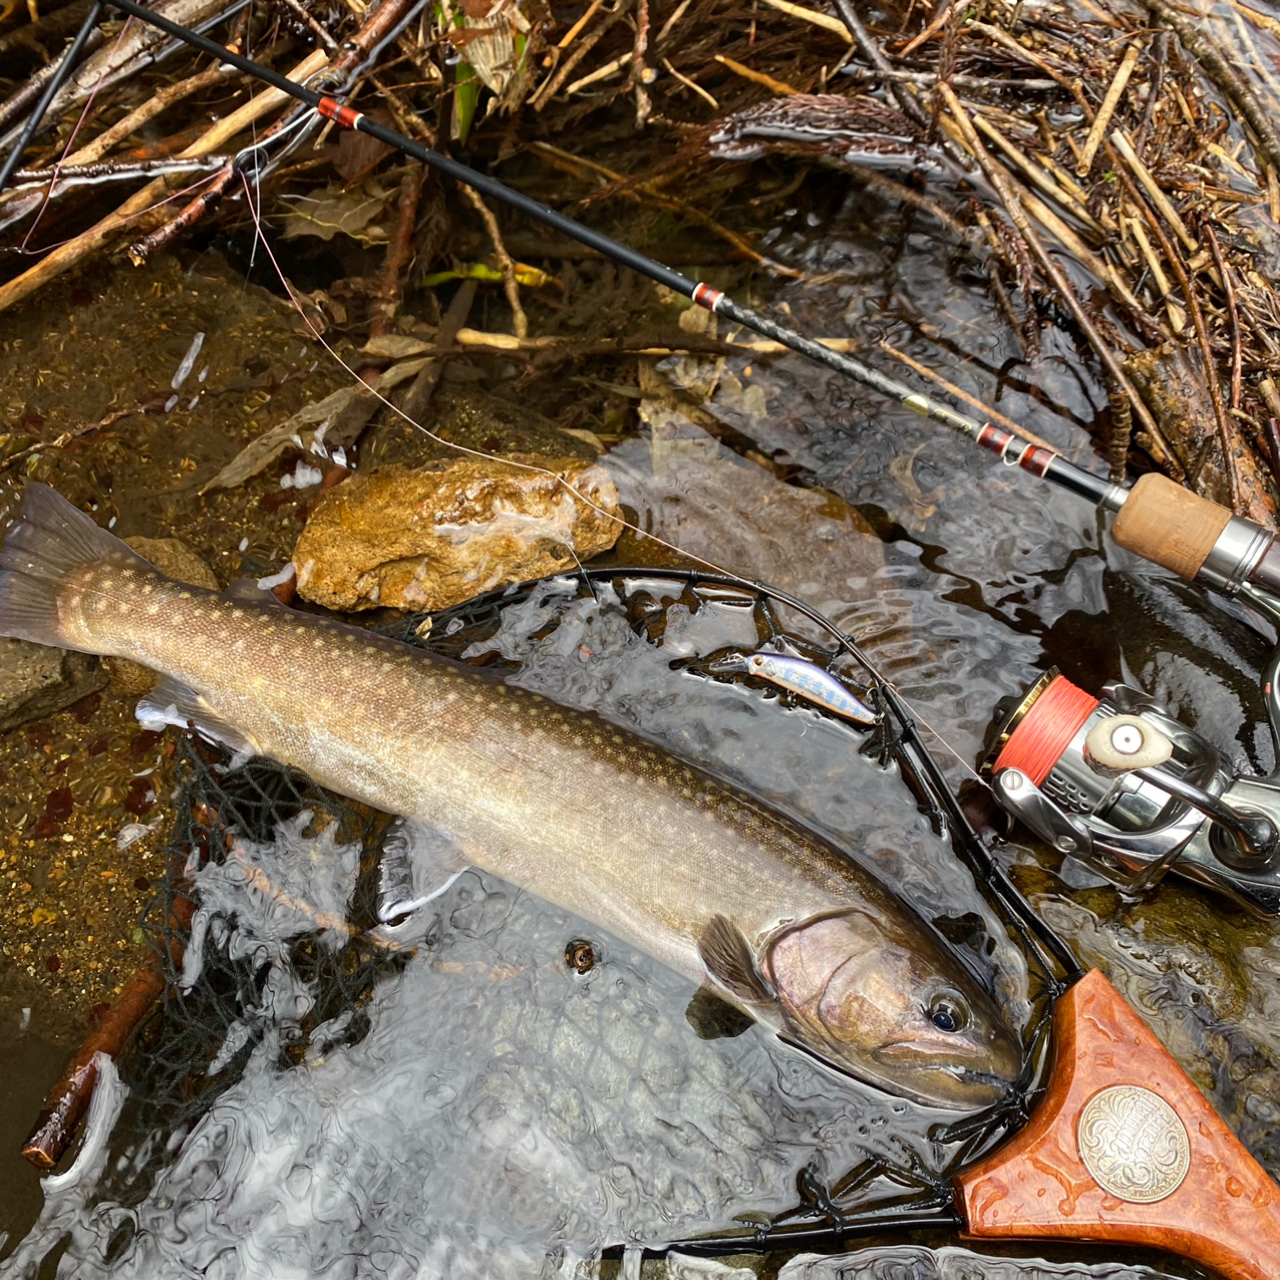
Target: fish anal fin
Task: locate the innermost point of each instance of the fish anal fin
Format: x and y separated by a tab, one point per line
172	702
419	862
712	1017
730	961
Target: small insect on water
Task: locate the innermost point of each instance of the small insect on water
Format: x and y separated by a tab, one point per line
579	955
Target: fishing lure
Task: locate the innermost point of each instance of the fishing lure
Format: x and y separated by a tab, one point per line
805	679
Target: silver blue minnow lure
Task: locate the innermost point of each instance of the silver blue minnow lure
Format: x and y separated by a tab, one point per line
810	682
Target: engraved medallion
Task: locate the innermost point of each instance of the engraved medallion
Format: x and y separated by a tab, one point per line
1133	1144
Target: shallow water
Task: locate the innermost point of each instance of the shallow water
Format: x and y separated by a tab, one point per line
495	1113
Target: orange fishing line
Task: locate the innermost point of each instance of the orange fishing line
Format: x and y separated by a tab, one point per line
1044	732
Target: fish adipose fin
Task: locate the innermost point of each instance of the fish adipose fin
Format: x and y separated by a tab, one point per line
419	862
49	544
730	961
172	702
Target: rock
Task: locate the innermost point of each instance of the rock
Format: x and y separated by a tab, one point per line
171	556
36	681
717	507
429	538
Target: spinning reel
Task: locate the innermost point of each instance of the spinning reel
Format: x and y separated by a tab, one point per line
1119	784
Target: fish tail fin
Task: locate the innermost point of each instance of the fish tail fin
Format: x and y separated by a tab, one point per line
45	552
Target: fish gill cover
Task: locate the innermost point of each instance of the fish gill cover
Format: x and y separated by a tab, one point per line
444	1095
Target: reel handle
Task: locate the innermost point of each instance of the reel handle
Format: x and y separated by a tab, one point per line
1125	1148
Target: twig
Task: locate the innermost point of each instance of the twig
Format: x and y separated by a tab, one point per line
578	27
1200	44
418	397
148	111
990	414
600	73
1107	110
691	84
1121	142
510	286
669	25
1233	313
67	255
1013	206
551	86
68	1100
22	98
1177	317
1202	337
941	13
875	55
1037	176
641	73
636	190
390	287
927	78
757	77
823	20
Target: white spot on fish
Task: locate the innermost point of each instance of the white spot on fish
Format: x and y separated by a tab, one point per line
244	544
111	524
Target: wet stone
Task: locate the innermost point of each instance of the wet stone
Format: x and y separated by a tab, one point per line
432	537
36	681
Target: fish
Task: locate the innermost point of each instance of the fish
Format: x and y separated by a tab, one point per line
698	874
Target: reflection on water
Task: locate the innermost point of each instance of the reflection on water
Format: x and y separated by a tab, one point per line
905	1263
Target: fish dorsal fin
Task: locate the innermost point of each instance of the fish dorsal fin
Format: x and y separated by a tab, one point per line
172	702
712	1017
419	862
247	589
730	961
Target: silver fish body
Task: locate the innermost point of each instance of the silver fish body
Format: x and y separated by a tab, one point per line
559	802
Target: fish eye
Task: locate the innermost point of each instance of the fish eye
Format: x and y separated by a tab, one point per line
948	1013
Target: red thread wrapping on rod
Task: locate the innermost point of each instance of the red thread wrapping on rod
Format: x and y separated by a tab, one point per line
1044	732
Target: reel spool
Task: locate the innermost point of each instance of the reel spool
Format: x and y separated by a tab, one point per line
1119	784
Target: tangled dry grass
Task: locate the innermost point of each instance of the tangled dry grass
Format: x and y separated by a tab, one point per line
1111	166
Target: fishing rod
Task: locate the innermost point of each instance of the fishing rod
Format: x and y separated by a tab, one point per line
1156	519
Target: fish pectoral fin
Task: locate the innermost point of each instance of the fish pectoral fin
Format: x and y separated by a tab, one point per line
712	1017
731	962
419	862
172	702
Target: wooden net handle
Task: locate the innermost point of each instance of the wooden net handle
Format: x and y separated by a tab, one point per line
1111	1097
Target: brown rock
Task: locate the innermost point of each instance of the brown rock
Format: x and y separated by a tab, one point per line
173	557
426	539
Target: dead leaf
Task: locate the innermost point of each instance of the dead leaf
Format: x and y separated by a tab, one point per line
332	423
352	213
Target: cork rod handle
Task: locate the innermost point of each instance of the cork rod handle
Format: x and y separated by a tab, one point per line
1169	525
1124	1148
